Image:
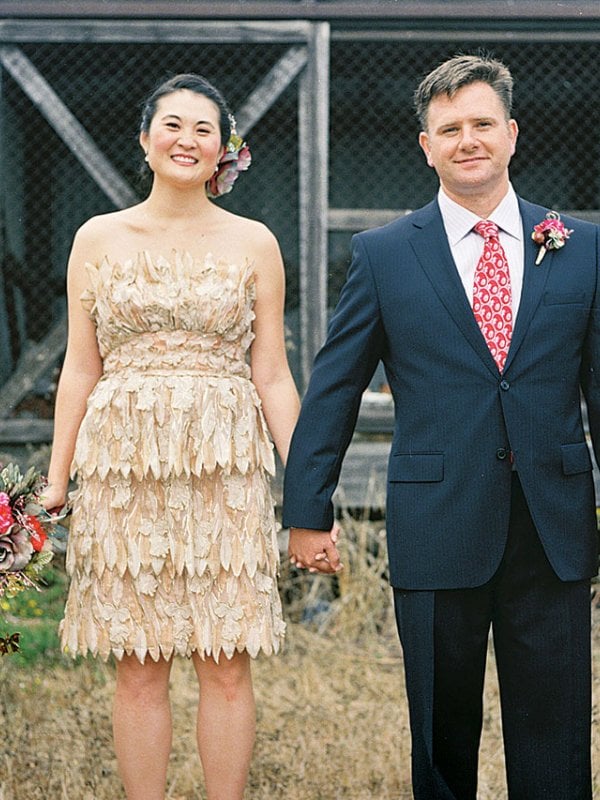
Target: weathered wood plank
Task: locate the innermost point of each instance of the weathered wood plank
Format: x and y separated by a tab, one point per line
309	9
270	88
26	431
152	30
33	364
67	126
313	146
461	35
5	348
358	219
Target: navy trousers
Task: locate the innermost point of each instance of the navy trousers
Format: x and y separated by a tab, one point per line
541	637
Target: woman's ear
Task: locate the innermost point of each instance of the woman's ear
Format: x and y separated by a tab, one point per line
143	140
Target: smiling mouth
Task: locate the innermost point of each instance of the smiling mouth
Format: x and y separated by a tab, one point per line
187	160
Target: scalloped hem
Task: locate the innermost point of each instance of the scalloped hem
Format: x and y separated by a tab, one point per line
156	653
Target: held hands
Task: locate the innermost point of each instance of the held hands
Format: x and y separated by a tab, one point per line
315	550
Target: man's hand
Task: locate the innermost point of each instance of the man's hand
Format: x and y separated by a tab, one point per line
315	550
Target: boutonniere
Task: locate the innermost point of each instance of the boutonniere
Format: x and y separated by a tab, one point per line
550	234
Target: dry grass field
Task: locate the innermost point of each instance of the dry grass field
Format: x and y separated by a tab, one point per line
332	723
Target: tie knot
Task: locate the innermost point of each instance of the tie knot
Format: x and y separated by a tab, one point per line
486	228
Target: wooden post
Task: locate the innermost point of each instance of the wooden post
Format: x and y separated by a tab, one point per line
5	353
313	165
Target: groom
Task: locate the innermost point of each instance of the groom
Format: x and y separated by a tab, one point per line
490	515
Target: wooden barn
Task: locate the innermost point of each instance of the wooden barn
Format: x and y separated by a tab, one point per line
322	90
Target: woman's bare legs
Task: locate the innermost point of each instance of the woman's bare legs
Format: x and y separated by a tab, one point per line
142	726
226	724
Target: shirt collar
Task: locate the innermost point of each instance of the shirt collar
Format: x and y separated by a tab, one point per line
459	221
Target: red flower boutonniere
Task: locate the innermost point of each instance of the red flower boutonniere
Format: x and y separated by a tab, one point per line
550	234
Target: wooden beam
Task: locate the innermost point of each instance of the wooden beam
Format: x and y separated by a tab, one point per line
304	9
358	219
33	364
313	165
152	30
504	36
270	88
26	431
67	126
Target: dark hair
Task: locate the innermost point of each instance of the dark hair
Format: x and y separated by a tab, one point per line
194	83
459	71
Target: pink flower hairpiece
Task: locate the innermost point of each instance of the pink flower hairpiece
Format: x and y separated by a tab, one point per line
234	160
550	234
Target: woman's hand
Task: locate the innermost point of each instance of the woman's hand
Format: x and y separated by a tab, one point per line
53	498
314	550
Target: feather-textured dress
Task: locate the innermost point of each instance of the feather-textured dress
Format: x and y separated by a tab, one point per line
173	540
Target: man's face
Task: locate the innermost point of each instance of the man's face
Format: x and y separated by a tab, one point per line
469	142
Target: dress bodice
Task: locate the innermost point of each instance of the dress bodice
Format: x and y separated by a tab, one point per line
184	314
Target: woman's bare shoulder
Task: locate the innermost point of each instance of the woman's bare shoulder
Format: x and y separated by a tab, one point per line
257	238
106	224
99	234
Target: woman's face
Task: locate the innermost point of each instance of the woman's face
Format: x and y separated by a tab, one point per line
183	143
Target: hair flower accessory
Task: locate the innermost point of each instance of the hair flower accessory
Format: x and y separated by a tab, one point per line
234	160
550	234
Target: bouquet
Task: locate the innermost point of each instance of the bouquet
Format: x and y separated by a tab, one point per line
26	532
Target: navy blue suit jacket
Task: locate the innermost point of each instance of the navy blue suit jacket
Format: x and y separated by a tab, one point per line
448	494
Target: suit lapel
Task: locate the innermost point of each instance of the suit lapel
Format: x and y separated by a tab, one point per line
430	243
534	277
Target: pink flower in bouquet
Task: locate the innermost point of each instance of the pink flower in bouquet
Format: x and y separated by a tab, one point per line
6	517
15	550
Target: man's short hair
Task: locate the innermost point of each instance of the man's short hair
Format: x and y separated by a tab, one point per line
459	71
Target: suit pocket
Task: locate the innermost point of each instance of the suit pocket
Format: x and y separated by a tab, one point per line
564	298
416	467
575	458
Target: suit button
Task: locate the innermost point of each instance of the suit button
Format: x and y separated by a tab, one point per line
504	385
502	453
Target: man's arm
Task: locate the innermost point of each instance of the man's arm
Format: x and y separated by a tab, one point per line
342	371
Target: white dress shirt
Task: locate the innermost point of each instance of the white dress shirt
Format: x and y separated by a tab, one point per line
466	245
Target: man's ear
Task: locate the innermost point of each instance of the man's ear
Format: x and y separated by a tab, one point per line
514	132
424	144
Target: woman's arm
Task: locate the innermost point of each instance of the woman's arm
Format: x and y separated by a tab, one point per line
268	359
81	371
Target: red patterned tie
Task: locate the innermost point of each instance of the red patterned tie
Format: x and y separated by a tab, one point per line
491	293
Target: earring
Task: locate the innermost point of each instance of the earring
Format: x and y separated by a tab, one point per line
217	167
146	158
